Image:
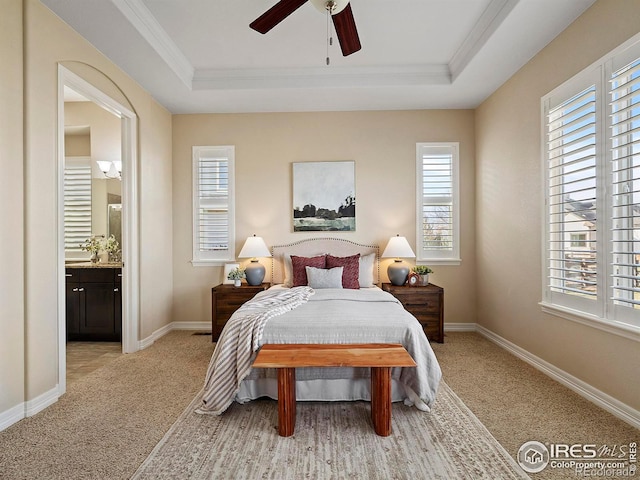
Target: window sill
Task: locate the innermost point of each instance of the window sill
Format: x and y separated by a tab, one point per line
438	261
616	328
209	263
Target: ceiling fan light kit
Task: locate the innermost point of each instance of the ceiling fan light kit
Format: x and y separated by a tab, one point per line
341	14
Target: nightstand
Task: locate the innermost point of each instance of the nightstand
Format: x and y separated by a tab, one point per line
425	303
226	299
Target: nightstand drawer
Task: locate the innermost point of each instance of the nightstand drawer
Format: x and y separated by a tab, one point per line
423	304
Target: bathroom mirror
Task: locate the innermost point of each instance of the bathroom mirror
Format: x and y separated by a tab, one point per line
92	207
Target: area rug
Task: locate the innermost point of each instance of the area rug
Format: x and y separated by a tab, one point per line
332	440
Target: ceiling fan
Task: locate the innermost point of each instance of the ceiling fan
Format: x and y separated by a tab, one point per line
340	11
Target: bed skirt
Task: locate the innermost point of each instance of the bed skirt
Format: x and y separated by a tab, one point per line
321	390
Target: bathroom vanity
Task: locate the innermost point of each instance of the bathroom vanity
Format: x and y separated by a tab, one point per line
94	301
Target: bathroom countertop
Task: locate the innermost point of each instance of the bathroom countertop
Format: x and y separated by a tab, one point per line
94	265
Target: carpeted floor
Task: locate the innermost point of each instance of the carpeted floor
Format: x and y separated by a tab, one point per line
110	420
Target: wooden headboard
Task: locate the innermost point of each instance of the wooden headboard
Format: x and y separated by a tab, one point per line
338	247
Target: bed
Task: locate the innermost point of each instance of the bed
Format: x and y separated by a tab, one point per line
337	301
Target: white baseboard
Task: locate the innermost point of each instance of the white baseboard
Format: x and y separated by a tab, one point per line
205	326
603	400
41	402
11	416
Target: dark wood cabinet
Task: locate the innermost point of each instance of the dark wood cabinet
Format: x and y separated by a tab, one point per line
94	304
226	299
425	303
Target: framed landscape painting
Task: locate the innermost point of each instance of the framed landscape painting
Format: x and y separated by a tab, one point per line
324	198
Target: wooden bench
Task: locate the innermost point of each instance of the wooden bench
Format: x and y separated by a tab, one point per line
380	357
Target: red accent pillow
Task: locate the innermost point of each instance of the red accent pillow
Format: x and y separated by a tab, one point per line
350	272
300	272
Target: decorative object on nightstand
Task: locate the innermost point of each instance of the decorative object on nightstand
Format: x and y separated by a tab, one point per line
237	274
398	248
425	303
226	299
254	247
422	272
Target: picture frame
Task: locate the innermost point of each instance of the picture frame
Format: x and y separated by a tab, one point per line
324	198
227	268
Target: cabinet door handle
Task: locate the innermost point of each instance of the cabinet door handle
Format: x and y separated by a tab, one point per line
81	289
68	275
119	274
116	289
75	289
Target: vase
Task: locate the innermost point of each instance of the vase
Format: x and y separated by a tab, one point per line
424	280
237	282
95	257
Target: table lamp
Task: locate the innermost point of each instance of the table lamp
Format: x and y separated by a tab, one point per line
398	248
254	247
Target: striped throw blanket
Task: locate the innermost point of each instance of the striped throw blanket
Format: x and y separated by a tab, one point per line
240	338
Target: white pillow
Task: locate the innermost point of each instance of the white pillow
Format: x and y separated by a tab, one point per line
324	277
365	276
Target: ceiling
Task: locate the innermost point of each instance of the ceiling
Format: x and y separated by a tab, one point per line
200	56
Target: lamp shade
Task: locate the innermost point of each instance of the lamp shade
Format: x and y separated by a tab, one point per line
254	247
398	247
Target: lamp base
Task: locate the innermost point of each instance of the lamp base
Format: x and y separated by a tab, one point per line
254	272
398	273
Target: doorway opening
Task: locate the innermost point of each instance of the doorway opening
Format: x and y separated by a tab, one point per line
125	289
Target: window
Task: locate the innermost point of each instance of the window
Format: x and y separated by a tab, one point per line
213	205
592	190
77	203
437	222
579	240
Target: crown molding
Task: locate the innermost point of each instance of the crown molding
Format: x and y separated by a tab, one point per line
318	77
146	24
487	24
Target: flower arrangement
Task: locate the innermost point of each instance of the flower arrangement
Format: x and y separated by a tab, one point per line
92	245
236	274
422	270
111	245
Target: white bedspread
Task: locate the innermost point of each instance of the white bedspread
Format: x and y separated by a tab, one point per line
367	315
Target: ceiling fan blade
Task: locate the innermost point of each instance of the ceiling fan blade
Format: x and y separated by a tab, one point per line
346	31
275	15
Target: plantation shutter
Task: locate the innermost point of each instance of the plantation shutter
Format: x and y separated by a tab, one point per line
437	202
572	173
624	97
213	203
77	203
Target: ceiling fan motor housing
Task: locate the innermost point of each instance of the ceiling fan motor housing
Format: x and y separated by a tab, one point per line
333	6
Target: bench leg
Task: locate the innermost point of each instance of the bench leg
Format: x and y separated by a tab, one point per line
286	401
381	400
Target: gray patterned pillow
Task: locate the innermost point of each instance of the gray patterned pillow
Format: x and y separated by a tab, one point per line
324	277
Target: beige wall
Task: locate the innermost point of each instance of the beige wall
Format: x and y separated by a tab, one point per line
47	42
77	145
383	146
509	210
11	210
